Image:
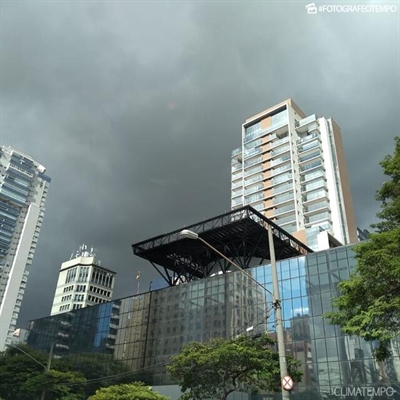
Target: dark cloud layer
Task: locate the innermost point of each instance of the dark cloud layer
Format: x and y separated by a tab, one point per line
134	108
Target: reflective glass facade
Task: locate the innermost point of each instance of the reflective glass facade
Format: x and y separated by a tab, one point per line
144	331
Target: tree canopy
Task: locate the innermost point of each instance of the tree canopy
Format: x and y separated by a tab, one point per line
59	386
22	378
369	302
389	194
132	391
70	377
219	367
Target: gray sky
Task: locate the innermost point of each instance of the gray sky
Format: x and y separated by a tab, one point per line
134	108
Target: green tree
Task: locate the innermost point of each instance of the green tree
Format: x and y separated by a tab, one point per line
219	367
133	391
21	377
59	386
16	368
369	302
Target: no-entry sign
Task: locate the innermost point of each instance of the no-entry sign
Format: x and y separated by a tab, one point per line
287	383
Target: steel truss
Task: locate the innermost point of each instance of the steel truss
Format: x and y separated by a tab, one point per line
241	235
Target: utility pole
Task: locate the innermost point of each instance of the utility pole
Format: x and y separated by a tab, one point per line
48	366
278	314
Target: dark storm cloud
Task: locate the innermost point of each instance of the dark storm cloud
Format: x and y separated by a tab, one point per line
134	108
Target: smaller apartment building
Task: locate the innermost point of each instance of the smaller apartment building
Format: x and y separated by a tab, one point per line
82	282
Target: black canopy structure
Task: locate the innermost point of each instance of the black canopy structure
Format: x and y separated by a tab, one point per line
241	235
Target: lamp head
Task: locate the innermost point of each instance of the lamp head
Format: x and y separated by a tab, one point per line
186	233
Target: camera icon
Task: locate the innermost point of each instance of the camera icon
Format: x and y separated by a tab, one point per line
311	8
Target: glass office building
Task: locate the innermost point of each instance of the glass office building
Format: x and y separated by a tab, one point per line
144	331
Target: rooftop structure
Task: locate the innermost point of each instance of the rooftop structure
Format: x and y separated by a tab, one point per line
241	235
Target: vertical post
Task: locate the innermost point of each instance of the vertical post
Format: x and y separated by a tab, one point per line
48	366
147	327
278	314
138	282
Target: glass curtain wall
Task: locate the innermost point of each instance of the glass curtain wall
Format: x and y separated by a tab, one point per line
142	332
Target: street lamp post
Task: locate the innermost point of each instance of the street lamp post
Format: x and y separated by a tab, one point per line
46	367
280	336
276	298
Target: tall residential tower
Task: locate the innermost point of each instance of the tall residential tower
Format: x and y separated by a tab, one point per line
23	191
292	168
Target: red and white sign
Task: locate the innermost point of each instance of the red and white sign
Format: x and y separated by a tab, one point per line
287	383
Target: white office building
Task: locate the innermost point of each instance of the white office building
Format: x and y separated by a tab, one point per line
23	190
291	167
82	282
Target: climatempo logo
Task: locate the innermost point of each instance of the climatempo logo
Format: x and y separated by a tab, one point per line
311	8
364	391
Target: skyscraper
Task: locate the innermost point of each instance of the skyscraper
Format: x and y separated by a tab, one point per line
292	168
23	191
82	282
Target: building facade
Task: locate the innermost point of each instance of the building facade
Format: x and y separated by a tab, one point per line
82	282
19	336
142	332
23	190
292	168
